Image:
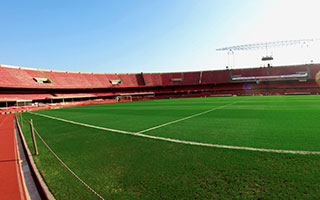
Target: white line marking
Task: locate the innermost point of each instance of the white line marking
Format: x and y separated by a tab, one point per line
182	141
185	118
82	124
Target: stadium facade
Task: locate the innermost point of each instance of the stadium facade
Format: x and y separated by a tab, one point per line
25	86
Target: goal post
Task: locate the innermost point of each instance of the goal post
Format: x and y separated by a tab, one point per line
124	98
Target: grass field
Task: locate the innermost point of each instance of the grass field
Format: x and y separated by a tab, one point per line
122	166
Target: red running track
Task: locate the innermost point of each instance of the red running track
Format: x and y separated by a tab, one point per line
11	182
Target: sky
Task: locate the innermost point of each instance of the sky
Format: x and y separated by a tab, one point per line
132	36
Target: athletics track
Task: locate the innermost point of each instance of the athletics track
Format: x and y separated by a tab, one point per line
11	181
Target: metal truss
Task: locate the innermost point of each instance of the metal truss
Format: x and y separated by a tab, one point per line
266	45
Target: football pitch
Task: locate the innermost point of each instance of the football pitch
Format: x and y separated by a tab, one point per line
259	147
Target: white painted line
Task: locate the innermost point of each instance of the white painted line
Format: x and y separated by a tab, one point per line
182	141
185	118
81	124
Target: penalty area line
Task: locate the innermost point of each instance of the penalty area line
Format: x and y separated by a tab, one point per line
185	118
183	141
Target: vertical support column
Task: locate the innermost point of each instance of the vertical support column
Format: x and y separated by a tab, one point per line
33	137
308	71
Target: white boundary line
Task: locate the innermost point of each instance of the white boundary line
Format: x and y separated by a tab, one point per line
82	124
182	119
183	141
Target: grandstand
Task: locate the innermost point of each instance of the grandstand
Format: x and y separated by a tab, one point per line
26	89
25	86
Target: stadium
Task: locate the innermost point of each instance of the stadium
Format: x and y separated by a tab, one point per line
146	114
145	135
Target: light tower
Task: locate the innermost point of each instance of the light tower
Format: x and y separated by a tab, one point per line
268	57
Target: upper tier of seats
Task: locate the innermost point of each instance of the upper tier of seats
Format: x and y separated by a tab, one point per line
15	77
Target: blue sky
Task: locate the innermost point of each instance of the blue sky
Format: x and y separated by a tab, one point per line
147	36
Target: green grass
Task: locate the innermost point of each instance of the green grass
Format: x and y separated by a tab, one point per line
121	166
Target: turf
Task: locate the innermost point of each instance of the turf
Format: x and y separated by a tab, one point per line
121	166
